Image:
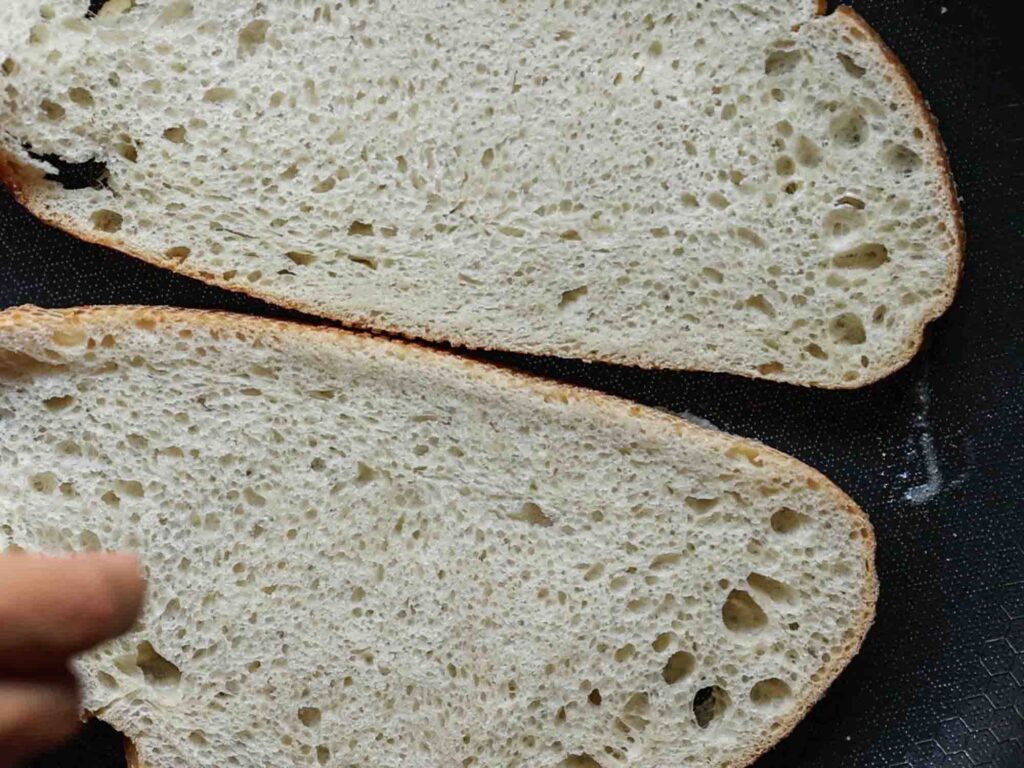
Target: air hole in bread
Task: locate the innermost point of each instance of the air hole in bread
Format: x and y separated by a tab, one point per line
309	716
741	613
849	128
89	541
219	94
666	560
81	96
784	165
777	591
176	11
69	448
594	697
710	704
532	514
326	185
178	253
157	671
52	110
625	653
58	403
131	488
749	236
901	158
807	152
365	473
852	67
785	520
570	297
198	738
323	754
106	221
43	482
781	62
770	692
594	572
842	221
176	134
718	200
748	452
678	667
712	274
9	66
108	8
253	498
106	680
864	256
761	304
663	641
847	328
579	761
770	369
363	261
39	34
253	34
634	711
815	351
126	148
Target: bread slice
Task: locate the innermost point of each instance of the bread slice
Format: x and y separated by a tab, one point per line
744	187
366	553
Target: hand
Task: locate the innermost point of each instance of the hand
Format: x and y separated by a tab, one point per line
51	609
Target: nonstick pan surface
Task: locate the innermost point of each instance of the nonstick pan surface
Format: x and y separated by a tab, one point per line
933	453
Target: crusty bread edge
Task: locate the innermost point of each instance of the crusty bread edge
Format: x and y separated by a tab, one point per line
35	319
24	183
939	155
131	754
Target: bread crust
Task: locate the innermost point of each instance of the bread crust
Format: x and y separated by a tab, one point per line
285	334
27	184
131	754
939	155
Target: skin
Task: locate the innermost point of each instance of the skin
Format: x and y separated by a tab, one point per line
51	609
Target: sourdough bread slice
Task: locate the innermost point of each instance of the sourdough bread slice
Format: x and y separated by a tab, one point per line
361	552
744	187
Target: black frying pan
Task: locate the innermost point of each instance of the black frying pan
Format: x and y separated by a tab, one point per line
933	453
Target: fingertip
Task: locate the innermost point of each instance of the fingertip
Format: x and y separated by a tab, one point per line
123	575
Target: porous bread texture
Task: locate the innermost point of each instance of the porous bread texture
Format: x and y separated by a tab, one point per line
361	552
741	187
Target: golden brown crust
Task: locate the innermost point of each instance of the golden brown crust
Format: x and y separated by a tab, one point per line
613	408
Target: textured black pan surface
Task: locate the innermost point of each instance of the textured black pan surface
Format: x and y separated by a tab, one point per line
933	453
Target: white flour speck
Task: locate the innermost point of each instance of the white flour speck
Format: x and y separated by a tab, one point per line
932	486
699	421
